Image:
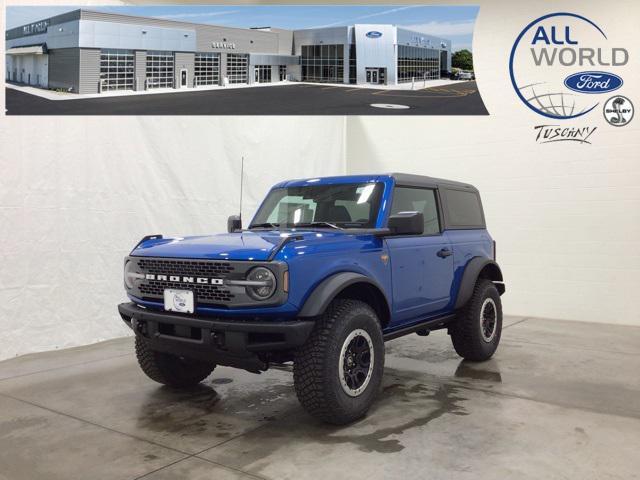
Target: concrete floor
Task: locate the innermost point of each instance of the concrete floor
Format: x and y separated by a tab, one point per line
559	400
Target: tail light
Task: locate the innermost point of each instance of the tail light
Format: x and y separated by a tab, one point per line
494	250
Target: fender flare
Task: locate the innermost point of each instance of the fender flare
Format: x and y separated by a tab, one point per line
470	276
324	293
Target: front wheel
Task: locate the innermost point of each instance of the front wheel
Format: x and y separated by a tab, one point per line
477	330
337	373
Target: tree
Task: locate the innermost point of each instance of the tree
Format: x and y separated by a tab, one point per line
462	59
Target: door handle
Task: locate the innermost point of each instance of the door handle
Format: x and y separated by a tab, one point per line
444	252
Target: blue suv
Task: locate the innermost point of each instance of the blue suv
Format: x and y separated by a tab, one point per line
325	273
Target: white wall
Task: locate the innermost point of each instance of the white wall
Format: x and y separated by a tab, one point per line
566	216
76	194
567	226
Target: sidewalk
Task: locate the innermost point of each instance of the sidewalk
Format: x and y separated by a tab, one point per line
53	95
417	85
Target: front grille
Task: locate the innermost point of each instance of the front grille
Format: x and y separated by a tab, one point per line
204	294
186	267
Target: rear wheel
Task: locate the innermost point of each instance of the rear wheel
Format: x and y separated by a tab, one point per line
171	370
337	373
477	330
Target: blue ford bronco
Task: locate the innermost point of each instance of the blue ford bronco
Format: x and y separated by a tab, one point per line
326	272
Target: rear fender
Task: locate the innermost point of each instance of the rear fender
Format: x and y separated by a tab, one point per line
478	267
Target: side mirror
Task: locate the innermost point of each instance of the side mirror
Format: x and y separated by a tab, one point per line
234	223
406	223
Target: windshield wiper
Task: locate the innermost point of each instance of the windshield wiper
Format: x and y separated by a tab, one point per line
317	224
264	225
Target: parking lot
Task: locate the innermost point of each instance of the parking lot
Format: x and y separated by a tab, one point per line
298	99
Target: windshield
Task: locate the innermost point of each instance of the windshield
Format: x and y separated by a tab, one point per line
325	206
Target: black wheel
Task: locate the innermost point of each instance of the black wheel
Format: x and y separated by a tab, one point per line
337	373
476	332
171	370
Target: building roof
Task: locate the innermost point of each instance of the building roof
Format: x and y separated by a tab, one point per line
89	14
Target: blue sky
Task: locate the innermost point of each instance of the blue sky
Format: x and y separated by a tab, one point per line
453	22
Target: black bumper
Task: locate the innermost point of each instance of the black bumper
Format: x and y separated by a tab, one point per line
238	343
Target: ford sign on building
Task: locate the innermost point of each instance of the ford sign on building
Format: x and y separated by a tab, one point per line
88	52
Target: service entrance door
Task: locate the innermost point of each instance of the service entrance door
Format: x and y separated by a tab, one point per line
373	75
183	77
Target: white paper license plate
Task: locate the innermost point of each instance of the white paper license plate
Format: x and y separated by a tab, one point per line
178	300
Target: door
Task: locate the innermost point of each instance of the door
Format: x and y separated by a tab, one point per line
183	77
421	265
373	75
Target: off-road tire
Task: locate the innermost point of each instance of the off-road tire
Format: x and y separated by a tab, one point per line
316	373
466	332
171	370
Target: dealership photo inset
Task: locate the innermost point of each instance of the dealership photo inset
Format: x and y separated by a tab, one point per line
245	60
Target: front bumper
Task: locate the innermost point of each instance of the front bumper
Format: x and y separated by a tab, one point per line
236	343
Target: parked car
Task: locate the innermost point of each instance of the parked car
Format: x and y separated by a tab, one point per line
466	75
326	272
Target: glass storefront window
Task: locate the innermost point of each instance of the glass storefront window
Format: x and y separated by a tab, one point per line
418	63
352	64
263	73
323	63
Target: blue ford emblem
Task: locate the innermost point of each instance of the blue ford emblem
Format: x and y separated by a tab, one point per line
374	34
593	82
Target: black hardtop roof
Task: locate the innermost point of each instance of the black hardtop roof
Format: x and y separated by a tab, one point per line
412	180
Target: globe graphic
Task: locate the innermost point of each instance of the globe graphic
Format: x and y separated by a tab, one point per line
553	103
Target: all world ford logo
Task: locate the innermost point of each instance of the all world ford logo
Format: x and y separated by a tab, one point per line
593	82
374	34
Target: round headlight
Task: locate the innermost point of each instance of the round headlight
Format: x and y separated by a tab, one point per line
265	283
129	274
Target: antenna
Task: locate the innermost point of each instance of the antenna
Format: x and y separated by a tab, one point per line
241	183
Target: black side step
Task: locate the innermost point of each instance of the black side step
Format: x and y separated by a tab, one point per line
431	324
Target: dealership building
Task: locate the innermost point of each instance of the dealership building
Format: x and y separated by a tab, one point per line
85	51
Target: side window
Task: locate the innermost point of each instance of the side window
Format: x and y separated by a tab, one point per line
406	199
463	209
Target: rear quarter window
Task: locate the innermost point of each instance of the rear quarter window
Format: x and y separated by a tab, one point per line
464	209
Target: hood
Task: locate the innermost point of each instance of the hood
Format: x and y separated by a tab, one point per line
248	245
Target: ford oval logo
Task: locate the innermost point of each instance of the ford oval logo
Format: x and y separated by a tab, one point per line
593	82
374	34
